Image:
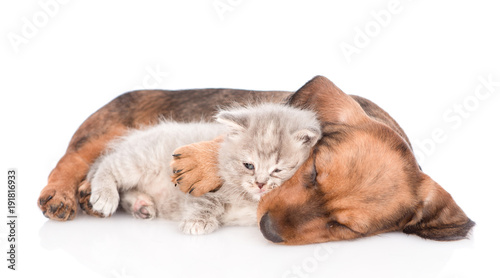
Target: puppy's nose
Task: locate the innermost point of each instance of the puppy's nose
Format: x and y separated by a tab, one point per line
268	229
260	184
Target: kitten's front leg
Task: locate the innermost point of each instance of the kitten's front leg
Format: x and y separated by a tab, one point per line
195	167
104	198
202	215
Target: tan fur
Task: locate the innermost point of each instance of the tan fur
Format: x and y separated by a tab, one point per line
201	157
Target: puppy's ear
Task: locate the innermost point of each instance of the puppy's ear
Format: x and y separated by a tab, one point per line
329	102
308	136
236	121
438	216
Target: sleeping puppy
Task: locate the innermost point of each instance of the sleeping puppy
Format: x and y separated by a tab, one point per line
361	179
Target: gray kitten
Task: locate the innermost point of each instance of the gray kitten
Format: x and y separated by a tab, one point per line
263	146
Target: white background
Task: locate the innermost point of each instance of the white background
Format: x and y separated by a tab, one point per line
420	64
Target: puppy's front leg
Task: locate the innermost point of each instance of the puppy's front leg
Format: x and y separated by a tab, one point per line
195	167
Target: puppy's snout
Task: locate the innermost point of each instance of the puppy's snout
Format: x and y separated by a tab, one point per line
268	229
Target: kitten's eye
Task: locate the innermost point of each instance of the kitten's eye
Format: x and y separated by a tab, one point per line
249	166
277	170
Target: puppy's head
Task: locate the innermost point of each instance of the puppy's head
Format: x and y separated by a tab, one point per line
361	179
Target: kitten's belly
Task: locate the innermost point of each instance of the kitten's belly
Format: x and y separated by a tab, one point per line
168	199
244	213
164	138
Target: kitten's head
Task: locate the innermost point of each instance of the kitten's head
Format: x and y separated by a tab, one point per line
265	145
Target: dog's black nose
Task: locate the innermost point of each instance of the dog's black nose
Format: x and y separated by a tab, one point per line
268	229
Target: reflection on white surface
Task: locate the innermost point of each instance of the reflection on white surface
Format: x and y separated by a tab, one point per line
122	246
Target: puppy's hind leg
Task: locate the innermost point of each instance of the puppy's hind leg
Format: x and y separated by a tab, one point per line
84	191
139	204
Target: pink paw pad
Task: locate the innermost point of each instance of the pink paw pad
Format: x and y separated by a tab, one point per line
143	209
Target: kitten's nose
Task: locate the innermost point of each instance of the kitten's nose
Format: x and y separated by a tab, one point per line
260	184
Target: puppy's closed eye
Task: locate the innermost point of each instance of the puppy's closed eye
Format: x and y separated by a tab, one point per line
334	225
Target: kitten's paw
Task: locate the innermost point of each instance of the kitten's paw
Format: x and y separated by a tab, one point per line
199	226
84	193
143	209
104	200
195	167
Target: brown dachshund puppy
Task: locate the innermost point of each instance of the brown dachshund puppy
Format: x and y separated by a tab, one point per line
361	179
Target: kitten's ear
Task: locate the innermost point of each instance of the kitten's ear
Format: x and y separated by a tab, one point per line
237	122
308	136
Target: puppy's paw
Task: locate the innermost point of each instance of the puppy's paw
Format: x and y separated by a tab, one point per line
104	200
195	169
58	202
84	193
199	226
